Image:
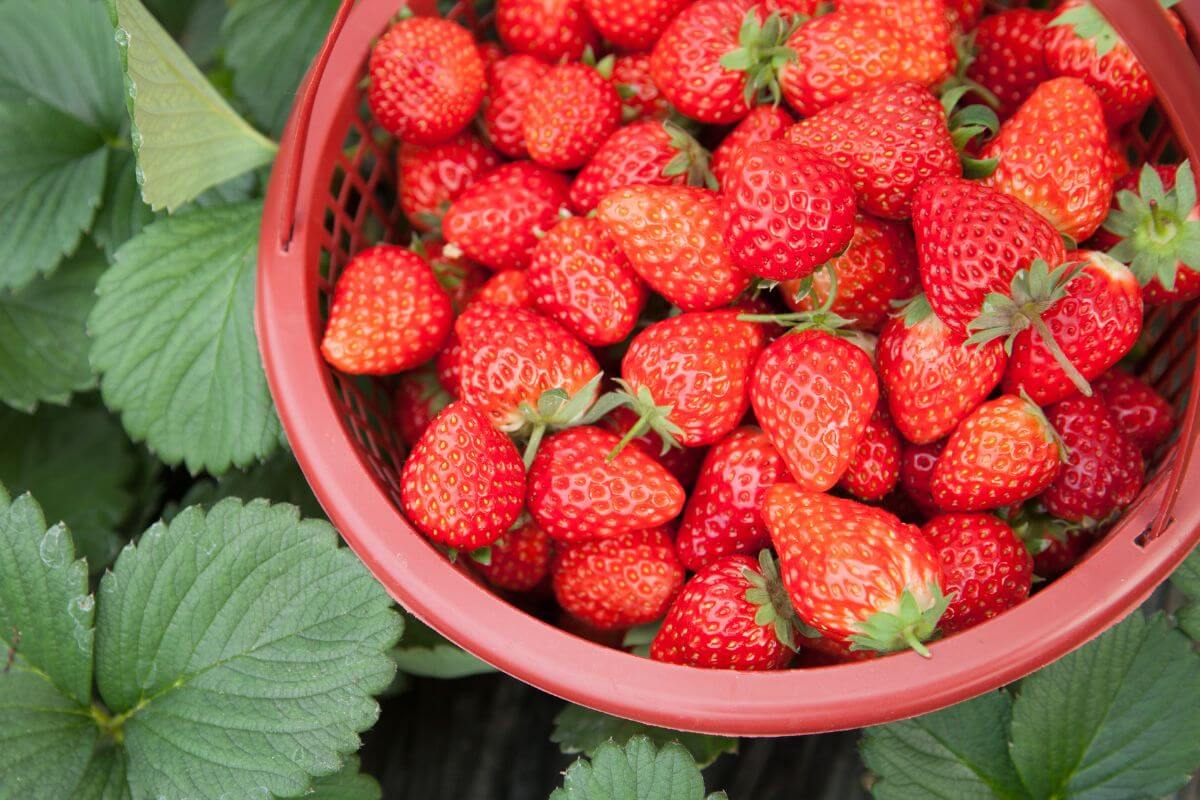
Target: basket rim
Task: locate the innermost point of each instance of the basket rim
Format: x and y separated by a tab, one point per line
1116	576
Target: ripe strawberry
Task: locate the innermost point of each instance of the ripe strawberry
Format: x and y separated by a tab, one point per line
643	100
1089	321
931	382
524	371
389	314
1003	453
964	15
548	29
1155	228
1056	545
448	365
619	582
1080	43
874	469
581	279
576	492
734	614
682	462
724	513
432	176
1009	60
496	220
463	484
917	463
971	241
688	376
632	25
1053	156
926	22
672	236
568	114
1103	470
419	398
510	83
508	287
715	56
460	277
787	210
856	573
849	53
520	559
985	567
426	79
877	270
646	152
891	139
813	394
1141	413
762	124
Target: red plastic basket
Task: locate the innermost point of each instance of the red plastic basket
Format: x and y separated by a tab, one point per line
333	193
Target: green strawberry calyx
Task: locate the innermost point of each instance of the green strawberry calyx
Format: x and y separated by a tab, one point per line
766	590
821	318
690	159
1048	431
969	124
761	53
651	416
908	627
1032	292
1036	529
557	410
1088	23
1159	229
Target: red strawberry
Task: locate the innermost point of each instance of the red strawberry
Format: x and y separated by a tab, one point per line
448	365
568	114
985	567
490	52
519	560
891	139
1053	156
620	582
917	463
496	220
971	241
672	236
463	484
510	83
931	382
643	100
688	376
632	24
646	152
1155	228
856	573
1141	413
1103	470
734	614
964	15
548	29
427	79
926	22
762	124
431	176
460	277
787	210
1093	320
1056	545
1003	453
576	492
723	515
874	469
524	371
1009	59
878	269
581	279
419	398
682	462
389	314
1080	43
508	287
813	394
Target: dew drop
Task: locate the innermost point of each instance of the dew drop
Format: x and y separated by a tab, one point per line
121	37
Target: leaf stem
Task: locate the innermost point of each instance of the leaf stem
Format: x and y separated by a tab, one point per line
1059	356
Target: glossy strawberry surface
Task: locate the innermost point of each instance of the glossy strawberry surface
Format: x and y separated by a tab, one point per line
638	153
418	399
569	113
762	124
874	469
1142	414
917	463
430	176
632	24
548	29
520	559
510	82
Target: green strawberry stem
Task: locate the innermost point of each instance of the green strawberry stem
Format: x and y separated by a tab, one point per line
535	441
1081	383
651	416
910	638
557	410
905	628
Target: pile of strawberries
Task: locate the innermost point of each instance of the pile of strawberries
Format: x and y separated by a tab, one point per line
820	304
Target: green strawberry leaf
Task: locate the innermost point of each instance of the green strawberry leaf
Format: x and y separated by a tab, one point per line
269	44
959	752
80	466
122	213
277	479
60	90
425	654
186	136
1119	718
173	339
1188	619
43	339
238	651
349	784
581	730
1187	577
636	771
